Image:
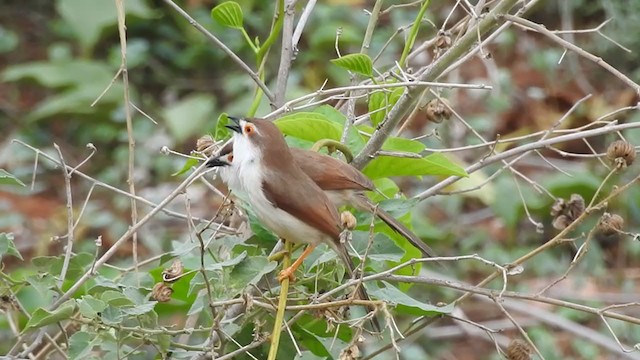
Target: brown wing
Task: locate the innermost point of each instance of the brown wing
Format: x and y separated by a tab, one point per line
298	195
330	173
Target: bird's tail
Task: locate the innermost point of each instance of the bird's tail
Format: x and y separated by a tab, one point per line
362	203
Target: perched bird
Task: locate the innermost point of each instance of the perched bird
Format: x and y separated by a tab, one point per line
283	197
341	182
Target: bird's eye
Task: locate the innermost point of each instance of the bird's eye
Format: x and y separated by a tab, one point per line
230	158
248	129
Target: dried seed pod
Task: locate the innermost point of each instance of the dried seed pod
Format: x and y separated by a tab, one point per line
161	292
348	220
443	40
204	145
438	111
565	212
174	272
621	154
350	353
610	224
518	350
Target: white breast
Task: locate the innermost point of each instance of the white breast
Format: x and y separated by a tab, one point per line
250	175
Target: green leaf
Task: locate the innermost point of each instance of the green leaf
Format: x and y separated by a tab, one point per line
358	63
42	317
7	179
309	126
7	246
189	116
115	298
382	248
90	307
434	164
80	344
406	303
251	270
377	101
398	207
139	309
231	262
190	163
395	143
331	114
228	14
221	131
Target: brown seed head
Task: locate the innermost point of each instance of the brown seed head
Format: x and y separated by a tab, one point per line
348	220
173	273
610	224
565	212
518	350
621	154
161	292
438	111
205	145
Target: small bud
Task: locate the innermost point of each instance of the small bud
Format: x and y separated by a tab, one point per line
621	154
518	350
161	292
610	224
173	273
165	150
348	220
438	111
566	212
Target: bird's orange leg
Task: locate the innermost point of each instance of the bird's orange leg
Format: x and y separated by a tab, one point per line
288	272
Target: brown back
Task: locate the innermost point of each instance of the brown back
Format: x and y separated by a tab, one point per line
330	173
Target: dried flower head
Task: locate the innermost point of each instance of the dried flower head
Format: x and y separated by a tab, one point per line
621	154
610	224
565	212
161	292
348	220
205	145
350	353
443	40
518	350
438	110
173	273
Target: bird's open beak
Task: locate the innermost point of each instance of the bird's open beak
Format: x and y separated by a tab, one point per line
216	162
235	126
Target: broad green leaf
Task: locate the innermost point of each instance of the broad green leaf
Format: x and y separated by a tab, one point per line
189	116
486	193
231	262
188	165
42	317
115	298
434	164
7	246
310	341
355	141
382	248
8	179
358	63
112	315
406	303
221	131
395	143
309	126
90	307
250	270
377	103
88	19
228	14
80	344
140	309
331	114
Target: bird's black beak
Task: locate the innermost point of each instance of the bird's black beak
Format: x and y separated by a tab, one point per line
217	162
235	126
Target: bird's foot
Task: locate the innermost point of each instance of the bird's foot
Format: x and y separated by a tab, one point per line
287	273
